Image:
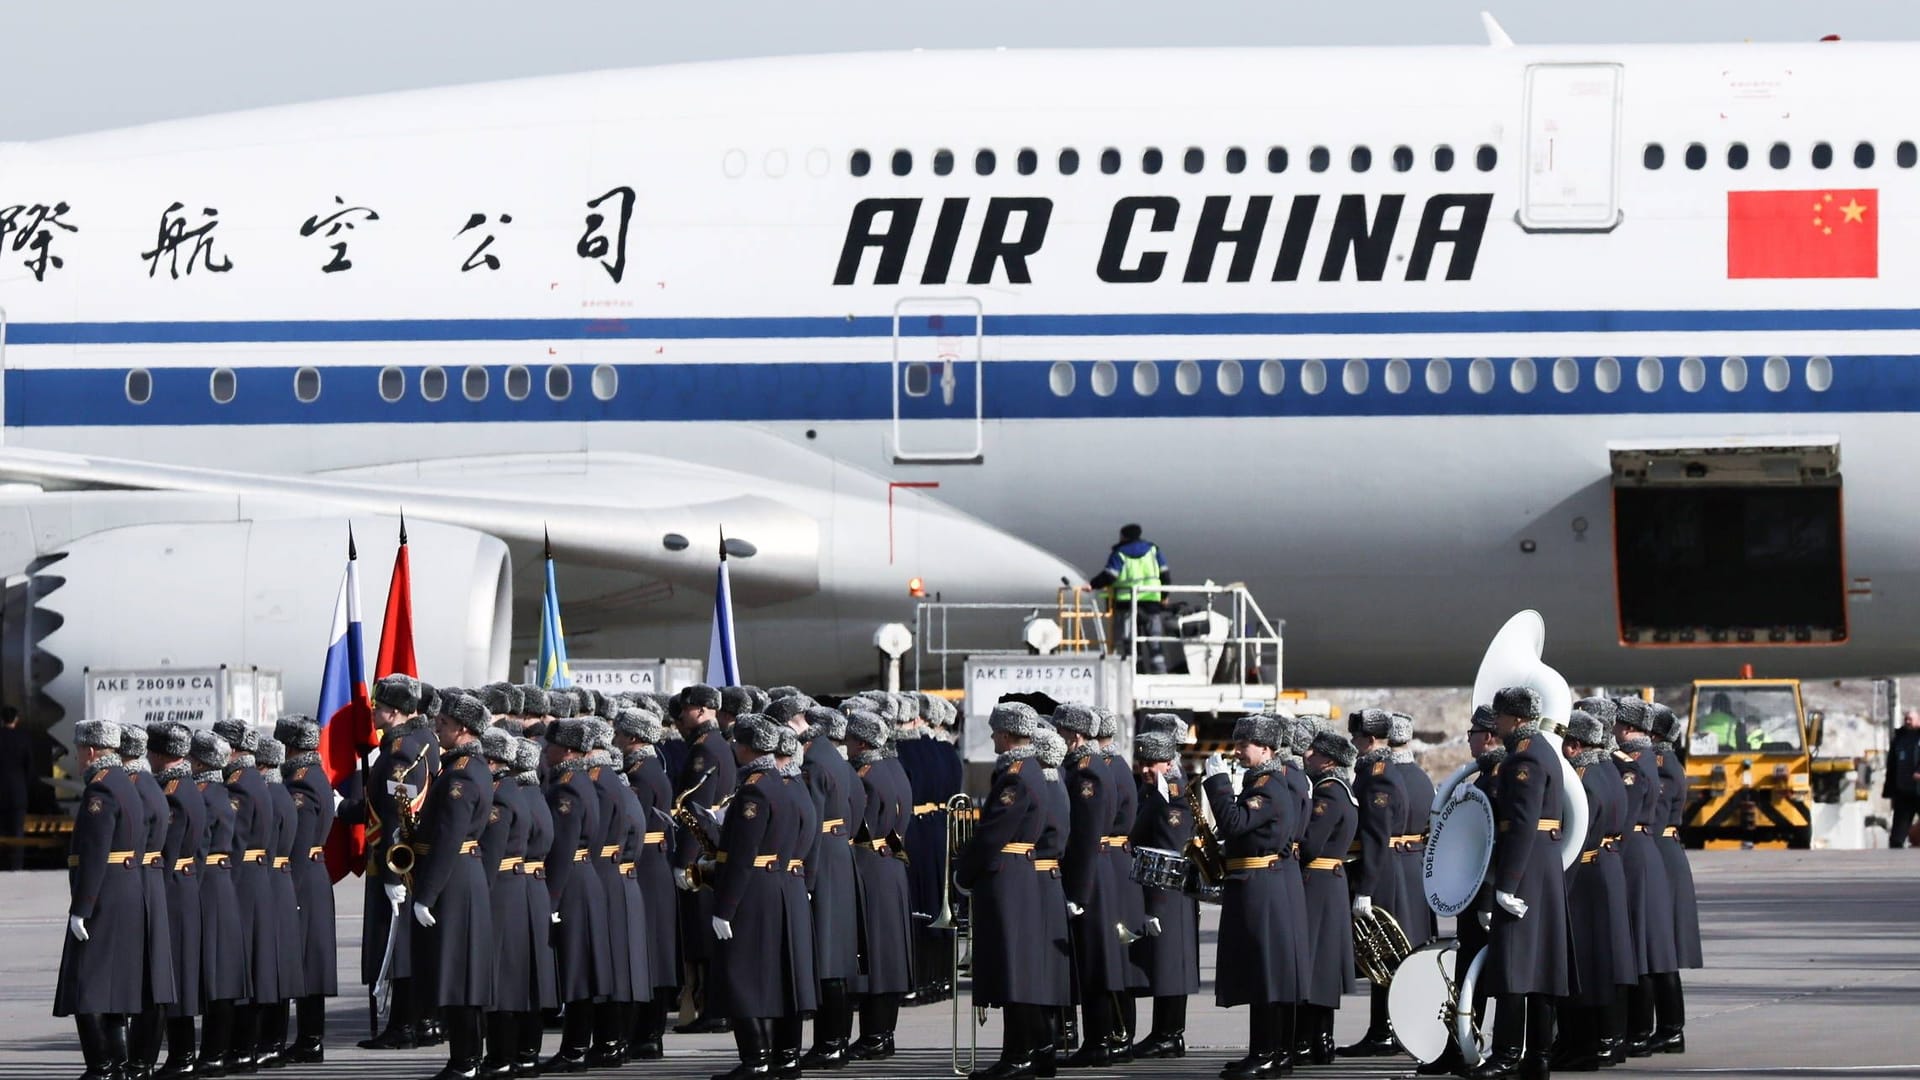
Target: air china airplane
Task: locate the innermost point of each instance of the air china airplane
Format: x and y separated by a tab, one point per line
1406	339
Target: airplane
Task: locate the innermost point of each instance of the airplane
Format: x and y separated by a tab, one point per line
1403	338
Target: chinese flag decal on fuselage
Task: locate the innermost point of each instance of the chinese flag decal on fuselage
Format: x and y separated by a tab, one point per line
1822	233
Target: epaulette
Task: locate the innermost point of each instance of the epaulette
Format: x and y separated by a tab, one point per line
1379	767
172	786
1659	759
755	778
1524	743
301	773
1622	755
1581	771
1085	762
594	774
1262	782
1014	768
864	769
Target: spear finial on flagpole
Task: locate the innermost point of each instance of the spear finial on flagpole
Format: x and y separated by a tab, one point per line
352	552
547	539
723	543
403	526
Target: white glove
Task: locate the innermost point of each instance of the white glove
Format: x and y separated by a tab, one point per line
1160	784
717	816
423	915
337	800
77	926
1074	910
556	918
1486	920
683	880
1153	927
1215	766
396	894
1363	907
1511	904
722	929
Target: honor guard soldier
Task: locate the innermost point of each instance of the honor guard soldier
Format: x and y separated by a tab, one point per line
1670	999
840	801
314	800
1647	884
584	970
259	937
450	886
1119	854
168	745
1417	920
542	995
708	775
144	1033
1602	938
1262	962
759	906
616	849
880	872
1332	821
1483	742
1094	910
1171	958
224	978
1050	750
1012	870
408	755
1527	960
503	851
101	979
636	731
935	771
270	1051
1377	881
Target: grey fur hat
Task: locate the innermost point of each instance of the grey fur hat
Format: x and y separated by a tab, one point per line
783	709
1077	718
1154	746
133	741
1167	723
608	706
571	734
398	692
831	722
778	692
1109	723
1336	746
760	698
270	754
238	734
637	724
298	733
432	700
1483	720
1374	723
170	738
1663	720
867	727
1399	729
512	725
1300	736
502	699
1600	708
602	732
1584	727
1522	702
1260	729
533	701
526	755
700	696
496	745
561	705
756	731
1051	748
104	734
469	713
1014	718
209	749
1634	713
789	740
944	713
585	701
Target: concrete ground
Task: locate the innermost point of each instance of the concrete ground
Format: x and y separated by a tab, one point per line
1813	969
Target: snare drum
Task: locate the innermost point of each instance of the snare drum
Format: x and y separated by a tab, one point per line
1158	868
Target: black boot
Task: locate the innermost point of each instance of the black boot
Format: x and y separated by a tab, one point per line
246	1034
310	1031
216	1039
113	1043
1378	1041
1509	1039
1262	1036
399	1034
503	1037
609	1036
144	1033
533	1029
1613	1030
270	1051
1168	1037
1096	1033
92	1029
1126	1014
1669	1001
181	1052
832	1021
704	1021
785	1062
649	1028
576	1035
1536	1063
754	1038
1640	1018
879	1015
465	1048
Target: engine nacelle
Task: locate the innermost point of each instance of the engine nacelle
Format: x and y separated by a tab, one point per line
257	593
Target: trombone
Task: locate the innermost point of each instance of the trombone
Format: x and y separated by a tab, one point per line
963	816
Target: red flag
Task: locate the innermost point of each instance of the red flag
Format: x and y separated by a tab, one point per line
1803	234
396	629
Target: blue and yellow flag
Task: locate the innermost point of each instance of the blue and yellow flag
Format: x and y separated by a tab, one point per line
553	640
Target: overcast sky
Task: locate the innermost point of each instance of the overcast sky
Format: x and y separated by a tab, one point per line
83	65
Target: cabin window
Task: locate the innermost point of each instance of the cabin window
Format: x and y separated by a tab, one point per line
433	384
306	385
223	385
1780	155
1319	158
1194	160
1696	156
1822	155
140	386
1486	158
1027	162
1109	161
860	163
393	384
1653	156
983	163
1276	159
1360	160
1403	159
473	383
559	382
1236	160
1863	155
942	162
519	383
1905	154
1737	156
1443	158
1150	160
902	162
1069	162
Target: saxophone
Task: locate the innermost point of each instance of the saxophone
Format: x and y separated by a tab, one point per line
401	857
1203	850
690	819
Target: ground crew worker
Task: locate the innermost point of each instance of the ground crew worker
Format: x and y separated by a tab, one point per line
1019	910
1171	957
259	939
708	775
1093	896
146	1029
1135	572
1527	961
1376	879
1331	824
583	968
224	978
636	730
1902	785
1602	937
100	982
1647	885
450	886
270	1051
1730	733
167	747
1263	961
313	799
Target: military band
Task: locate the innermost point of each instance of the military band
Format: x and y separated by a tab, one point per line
529	850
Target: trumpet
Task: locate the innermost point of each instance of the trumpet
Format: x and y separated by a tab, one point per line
963	816
1379	945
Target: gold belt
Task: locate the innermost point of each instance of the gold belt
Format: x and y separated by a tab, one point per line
764	862
580	854
511	862
1253	862
1547	824
1046	864
1324	864
881	845
1114	841
610	851
1589	856
626	869
795	866
151	858
317	851
181	866
114	858
469	847
831	824
1641	829
258	855
1409	842
217	859
533	866
1016	849
926	808
655	838
1671	830
280	862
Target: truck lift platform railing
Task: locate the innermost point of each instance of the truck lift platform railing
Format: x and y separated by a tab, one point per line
1250	634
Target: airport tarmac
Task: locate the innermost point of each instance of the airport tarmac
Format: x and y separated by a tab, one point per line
1813	969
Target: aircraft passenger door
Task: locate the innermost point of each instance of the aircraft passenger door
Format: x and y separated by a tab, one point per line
937	381
1573	148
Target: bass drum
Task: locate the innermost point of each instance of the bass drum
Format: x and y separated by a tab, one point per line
1459	850
1417	1000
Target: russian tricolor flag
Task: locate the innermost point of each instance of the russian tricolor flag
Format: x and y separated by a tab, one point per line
345	715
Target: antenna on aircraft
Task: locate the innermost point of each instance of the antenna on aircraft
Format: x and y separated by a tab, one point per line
1496	35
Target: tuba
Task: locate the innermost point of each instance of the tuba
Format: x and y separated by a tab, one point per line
963	817
1203	850
1513	659
1379	945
